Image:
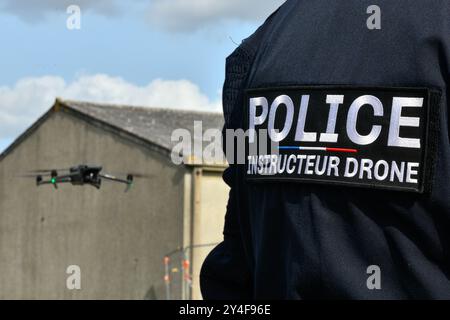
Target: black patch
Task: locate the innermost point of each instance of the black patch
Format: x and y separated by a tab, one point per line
384	160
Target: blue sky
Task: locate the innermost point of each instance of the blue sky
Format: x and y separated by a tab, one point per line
125	52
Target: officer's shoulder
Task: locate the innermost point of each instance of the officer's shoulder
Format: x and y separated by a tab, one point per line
249	45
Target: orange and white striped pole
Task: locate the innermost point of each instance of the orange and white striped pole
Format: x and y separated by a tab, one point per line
186	274
167	276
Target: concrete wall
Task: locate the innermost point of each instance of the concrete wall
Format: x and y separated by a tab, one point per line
209	217
118	239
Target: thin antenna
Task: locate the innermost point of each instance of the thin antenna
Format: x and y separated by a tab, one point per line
237	44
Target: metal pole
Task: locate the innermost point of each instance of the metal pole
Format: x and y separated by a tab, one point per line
186	269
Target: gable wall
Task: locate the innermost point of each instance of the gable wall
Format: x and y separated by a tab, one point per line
118	239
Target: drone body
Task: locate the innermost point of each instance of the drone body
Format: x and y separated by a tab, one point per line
79	175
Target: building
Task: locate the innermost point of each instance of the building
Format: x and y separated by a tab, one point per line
118	240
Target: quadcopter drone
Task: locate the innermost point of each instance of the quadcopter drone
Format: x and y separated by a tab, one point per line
79	175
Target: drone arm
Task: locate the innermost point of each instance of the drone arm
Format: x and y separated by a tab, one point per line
128	181
112	178
39	183
63	179
55	181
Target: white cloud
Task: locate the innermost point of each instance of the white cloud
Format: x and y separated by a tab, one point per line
23	103
189	15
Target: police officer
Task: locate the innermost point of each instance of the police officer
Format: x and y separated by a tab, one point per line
371	103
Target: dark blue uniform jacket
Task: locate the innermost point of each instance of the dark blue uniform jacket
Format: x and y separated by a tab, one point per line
316	241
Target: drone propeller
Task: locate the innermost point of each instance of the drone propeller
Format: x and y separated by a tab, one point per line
142	176
133	174
28	175
48	171
31	174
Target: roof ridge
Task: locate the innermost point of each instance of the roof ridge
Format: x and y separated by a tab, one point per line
68	102
158	137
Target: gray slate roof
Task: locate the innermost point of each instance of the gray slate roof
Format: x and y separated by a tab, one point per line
152	124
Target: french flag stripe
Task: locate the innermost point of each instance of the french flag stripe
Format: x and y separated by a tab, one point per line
345	150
